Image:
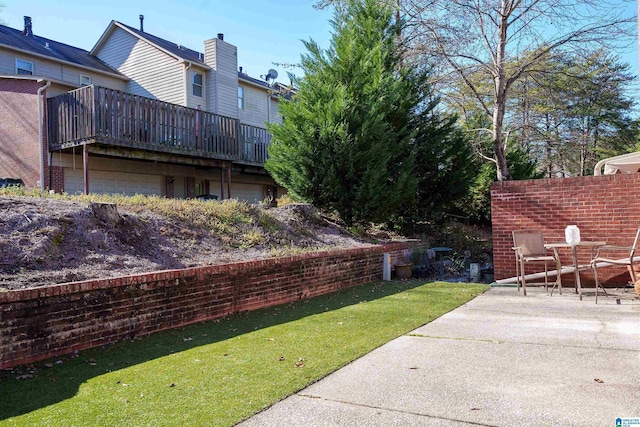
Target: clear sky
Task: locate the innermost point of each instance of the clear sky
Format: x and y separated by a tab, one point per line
265	31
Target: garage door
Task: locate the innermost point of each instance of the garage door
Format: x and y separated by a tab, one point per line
252	193
112	183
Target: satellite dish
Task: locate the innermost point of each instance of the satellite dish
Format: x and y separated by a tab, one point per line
272	74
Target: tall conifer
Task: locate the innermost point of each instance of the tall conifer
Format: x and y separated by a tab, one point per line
346	142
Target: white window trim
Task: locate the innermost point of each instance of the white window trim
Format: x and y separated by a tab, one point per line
84	76
194	84
240	98
33	68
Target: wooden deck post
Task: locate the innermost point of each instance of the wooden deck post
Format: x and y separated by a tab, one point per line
229	181
85	166
221	184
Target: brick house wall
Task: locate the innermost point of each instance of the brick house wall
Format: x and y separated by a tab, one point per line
603	207
39	323
19	146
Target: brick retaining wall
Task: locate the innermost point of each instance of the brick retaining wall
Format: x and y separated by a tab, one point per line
603	207
40	323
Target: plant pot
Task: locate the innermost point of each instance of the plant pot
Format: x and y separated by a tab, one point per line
487	276
403	271
636	285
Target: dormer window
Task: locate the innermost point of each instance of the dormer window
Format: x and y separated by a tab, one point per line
85	80
197	84
24	67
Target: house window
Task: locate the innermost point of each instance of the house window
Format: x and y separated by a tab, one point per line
24	67
197	84
85	80
240	98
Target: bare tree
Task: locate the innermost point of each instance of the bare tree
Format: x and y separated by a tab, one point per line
504	40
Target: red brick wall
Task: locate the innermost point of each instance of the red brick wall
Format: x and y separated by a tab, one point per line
44	322
19	155
603	207
57	178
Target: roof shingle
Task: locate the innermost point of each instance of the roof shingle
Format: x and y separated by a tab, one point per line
176	49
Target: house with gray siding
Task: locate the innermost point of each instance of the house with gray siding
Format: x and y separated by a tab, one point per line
135	115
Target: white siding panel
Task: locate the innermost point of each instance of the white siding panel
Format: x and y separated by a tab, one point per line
121	165
7	62
210	77
47	68
252	193
117	49
106	81
41	67
222	80
57	89
227	80
275	114
112	182
131	176
192	100
255	106
55	70
153	73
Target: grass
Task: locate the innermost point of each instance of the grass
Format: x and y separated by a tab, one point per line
219	373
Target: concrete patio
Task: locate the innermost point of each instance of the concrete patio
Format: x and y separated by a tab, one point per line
500	360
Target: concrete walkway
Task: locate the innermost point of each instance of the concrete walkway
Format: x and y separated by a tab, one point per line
500	360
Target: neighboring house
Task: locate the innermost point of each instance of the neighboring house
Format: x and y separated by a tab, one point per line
136	114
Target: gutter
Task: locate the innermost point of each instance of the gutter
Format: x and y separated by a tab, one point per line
41	90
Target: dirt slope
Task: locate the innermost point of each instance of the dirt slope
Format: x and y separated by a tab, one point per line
46	241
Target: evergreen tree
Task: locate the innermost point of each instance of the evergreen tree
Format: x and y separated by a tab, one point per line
445	168
347	139
574	112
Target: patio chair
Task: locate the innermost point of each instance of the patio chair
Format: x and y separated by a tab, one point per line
610	260
529	247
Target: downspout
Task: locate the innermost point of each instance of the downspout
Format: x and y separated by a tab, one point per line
268	105
188	65
41	90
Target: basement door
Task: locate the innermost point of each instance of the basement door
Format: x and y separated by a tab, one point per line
113	183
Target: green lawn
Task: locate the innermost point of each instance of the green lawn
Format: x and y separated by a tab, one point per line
218	373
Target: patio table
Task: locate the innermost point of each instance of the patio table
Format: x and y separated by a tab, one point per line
574	255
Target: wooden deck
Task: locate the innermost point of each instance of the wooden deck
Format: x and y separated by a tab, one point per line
97	115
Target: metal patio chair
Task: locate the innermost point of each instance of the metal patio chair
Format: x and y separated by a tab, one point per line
610	260
529	247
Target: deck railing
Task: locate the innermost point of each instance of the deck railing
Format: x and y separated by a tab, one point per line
255	141
112	117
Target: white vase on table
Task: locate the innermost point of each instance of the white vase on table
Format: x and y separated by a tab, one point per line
572	234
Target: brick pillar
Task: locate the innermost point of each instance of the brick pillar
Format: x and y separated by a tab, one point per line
57	179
